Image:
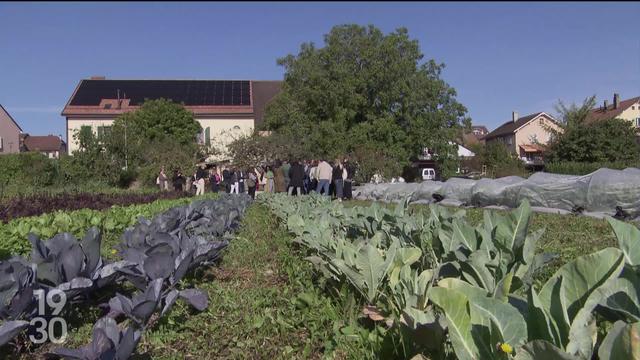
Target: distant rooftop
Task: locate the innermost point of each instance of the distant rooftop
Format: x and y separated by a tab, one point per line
43	143
611	110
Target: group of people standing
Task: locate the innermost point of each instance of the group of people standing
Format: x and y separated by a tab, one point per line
302	177
229	180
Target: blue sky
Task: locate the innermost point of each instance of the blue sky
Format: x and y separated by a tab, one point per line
500	57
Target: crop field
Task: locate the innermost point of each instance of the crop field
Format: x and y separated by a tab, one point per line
111	220
305	278
566	236
37	204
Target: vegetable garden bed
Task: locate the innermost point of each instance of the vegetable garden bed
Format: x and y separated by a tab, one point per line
439	287
112	222
38	204
156	254
303	290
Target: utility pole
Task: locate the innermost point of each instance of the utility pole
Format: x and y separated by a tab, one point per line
126	160
126	152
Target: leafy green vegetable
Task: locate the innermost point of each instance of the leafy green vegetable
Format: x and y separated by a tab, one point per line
419	266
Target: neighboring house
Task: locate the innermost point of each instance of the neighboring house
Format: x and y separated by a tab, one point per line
463	152
622	109
473	137
9	133
525	136
224	108
480	131
52	146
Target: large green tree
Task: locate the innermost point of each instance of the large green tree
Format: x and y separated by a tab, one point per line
157	120
365	90
605	140
159	133
254	149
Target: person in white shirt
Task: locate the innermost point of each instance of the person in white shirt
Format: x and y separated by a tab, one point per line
313	176
324	173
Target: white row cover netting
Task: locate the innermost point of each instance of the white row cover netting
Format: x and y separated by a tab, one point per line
599	192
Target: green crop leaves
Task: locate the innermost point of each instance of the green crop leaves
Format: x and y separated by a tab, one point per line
434	275
13	235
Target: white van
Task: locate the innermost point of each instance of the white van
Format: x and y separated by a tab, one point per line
428	174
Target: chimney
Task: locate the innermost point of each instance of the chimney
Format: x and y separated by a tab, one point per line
98	78
606	103
514	116
616	100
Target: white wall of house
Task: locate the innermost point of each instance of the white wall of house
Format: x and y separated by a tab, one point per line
224	131
535	129
464	152
51	154
632	114
74	125
221	131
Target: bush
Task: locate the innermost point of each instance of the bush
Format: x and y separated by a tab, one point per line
371	160
25	170
71	171
603	141
508	170
126	178
497	158
167	153
584	168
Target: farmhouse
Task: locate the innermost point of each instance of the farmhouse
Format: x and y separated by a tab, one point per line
525	136
224	108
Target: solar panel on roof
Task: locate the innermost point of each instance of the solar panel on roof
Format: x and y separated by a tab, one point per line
189	92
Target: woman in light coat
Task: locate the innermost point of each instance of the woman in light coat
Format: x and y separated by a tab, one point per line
269	187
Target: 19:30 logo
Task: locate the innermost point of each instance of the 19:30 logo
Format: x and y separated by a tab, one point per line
46	327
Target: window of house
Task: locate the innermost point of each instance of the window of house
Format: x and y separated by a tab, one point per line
85	130
207	136
509	140
638	122
236	127
107	106
1	144
103	131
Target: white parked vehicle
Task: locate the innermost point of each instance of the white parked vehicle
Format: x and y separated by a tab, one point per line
428	174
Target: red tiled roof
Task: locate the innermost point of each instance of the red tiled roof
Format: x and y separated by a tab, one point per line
43	143
610	113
